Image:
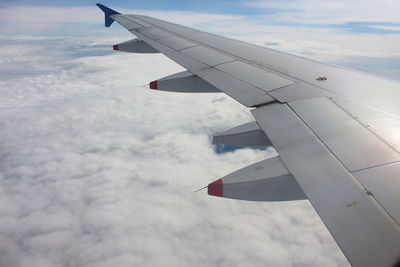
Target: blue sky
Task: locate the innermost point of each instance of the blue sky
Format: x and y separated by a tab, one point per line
364	23
225	6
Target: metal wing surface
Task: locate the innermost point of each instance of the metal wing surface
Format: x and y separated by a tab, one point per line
336	131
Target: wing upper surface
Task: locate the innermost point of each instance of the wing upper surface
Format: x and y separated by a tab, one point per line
381	94
244	82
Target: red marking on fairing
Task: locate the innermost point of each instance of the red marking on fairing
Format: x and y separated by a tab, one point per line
115	47
153	85
216	188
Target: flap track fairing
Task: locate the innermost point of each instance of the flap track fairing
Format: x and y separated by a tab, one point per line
267	180
248	134
183	82
135	46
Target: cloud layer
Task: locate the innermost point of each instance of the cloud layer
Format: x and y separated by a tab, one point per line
97	170
330	11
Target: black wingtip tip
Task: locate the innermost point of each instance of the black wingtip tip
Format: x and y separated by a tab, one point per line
108	11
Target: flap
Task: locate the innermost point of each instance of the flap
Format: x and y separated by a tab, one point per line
383	183
352	143
356	221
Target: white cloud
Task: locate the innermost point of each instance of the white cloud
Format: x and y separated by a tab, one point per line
71	19
327	44
330	11
97	170
389	28
46	14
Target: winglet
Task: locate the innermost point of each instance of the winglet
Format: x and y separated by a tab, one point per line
107	13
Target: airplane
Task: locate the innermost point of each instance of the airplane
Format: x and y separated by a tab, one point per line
336	131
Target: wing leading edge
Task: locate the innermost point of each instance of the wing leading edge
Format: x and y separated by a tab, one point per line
326	154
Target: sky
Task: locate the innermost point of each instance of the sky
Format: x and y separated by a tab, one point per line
98	170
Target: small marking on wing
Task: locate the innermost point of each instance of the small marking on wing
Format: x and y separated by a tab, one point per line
354	203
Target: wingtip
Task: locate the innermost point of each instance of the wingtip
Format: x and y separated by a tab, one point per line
107	13
102	7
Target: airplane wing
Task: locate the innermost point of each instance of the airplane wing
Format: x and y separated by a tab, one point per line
336	131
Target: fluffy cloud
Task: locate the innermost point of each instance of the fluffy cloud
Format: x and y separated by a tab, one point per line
282	26
389	28
81	19
330	11
97	170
